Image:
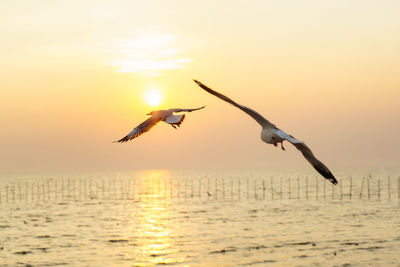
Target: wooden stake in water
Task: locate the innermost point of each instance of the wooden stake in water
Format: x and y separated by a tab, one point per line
179	189
324	188
231	188
19	190
362	186
341	190
333	191
316	187
351	186
216	188
306	187
122	189
84	190
298	187
398	187
255	189
263	184
272	187
281	193
13	192
185	188
248	189
38	192
199	188
74	188
170	188
26	192
192	190
369	195
55	190
239	189
379	189
290	188
389	187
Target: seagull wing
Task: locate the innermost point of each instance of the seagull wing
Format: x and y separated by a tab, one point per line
175	119
186	109
255	115
307	153
140	129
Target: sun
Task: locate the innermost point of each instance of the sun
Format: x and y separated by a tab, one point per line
153	97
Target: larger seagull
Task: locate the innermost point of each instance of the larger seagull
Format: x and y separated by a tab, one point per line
273	135
157	116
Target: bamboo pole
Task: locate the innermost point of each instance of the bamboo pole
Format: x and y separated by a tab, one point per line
170	188
306	187
398	187
362	186
216	188
239	183
223	188
185	188
26	192
55	190
263	184
255	189
19	189
379	189
13	192
298	187
102	189
248	188
351	186
272	187
231	189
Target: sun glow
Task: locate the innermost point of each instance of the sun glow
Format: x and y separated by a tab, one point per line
153	97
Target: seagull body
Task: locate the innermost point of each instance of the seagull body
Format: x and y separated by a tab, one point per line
273	135
166	116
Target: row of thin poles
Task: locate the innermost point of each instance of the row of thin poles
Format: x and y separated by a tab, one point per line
202	189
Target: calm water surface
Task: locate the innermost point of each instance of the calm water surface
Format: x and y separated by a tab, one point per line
158	229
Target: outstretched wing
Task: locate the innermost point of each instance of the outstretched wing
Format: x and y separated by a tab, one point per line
175	119
140	129
307	153
185	109
255	115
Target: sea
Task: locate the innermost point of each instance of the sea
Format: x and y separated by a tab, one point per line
200	218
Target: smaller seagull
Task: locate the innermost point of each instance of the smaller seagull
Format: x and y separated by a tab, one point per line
156	116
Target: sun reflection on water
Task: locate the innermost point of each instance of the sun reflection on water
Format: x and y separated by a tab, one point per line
154	233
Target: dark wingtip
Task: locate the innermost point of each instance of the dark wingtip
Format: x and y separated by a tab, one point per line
332	179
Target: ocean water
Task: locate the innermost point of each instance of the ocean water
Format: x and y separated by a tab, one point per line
198	218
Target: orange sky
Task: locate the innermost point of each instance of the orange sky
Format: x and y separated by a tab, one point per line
74	75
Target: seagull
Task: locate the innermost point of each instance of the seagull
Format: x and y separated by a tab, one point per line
166	116
273	135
